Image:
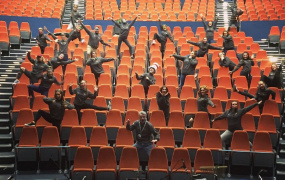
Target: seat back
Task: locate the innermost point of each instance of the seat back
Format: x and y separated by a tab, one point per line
262	142
83	160
98	136
129	159
50	137
106	159
158	159
77	136
29	137
203	158
180	156
240	141
191	138
213	140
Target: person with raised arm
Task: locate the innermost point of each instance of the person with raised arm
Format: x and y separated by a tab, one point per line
42	39
235	20
210	27
162	98
204	46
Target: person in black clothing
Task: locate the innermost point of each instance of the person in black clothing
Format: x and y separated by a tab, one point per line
39	67
203	47
203	101
95	64
162	98
228	42
94	39
57	106
75	33
81	95
116	29
148	79
47	80
123	37
234	20
262	94
59	61
162	37
42	40
226	62
246	62
274	79
233	116
189	64
146	134
75	16
210	27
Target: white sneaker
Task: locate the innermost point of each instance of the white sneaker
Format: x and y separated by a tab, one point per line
109	106
153	41
15	82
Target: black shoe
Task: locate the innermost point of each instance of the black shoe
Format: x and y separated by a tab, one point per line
234	88
31	124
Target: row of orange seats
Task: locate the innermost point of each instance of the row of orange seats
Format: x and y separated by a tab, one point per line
106	158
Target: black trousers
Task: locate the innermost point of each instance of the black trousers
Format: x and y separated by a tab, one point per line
87	106
126	41
162	43
32	77
272	83
48	118
42	49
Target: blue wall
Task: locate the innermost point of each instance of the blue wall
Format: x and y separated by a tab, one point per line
35	23
256	29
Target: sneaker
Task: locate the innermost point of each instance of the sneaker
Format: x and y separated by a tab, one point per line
16	82
109	106
153	41
31	124
235	88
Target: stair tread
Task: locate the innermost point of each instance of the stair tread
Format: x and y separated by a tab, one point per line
7	154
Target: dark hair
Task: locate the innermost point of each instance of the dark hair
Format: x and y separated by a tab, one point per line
231	109
226	32
203	87
162	87
248	57
62	100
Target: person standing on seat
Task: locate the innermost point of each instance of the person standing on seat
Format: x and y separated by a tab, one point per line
42	39
94	39
57	106
274	79
234	20
39	67
58	61
210	27
246	62
47	80
146	134
75	16
203	101
81	95
95	64
123	37
226	62
162	37
162	98
148	79
189	64
204	46
262	94
233	116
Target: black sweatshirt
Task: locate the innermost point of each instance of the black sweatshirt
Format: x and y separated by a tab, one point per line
94	38
146	82
226	62
56	108
96	64
189	64
203	102
165	34
148	131
125	28
75	16
210	29
81	95
47	81
162	101
55	62
42	39
228	42
246	65
63	45
38	67
203	47
234	119
235	15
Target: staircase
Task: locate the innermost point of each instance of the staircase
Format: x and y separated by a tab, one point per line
68	8
225	13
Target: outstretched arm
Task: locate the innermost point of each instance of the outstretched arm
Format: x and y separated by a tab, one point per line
194	43
116	23
178	57
133	22
214	47
84	27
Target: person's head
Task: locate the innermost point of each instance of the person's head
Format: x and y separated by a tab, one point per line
210	23
221	54
93	54
152	69
234	105
164	27
96	30
40	58
203	90
261	85
225	33
49	73
142	116
245	55
63	36
193	54
58	95
273	67
61	56
205	40
78	27
163	90
41	31
83	84
75	7
124	21
238	10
